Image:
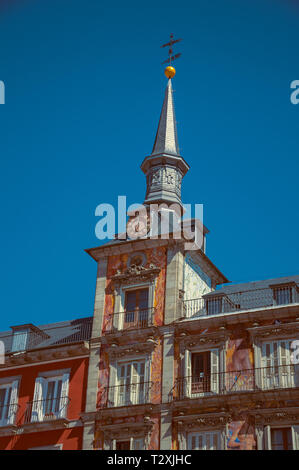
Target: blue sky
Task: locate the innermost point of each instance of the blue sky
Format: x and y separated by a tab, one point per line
84	89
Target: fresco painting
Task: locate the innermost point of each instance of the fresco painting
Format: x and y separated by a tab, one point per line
157	257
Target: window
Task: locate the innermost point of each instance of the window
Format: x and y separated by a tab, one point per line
8	403
283	295
281	439
204	440
277	368
214	306
131	386
50	398
201	372
130	444
123	445
19	340
136	308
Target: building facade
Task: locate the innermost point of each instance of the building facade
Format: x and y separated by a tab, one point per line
43	385
174	362
174	357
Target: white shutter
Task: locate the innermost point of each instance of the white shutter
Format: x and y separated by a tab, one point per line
188	375
267	437
111	392
295	434
13	405
37	413
63	402
135	383
215	370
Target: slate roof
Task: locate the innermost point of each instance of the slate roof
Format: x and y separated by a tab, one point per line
254	285
52	334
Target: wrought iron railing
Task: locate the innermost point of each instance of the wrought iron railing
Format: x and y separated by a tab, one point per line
218	303
128	394
222	383
51	409
8	414
131	319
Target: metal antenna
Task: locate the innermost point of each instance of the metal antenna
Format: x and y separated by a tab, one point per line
170	50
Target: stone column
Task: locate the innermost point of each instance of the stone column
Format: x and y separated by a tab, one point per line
94	355
174	282
167	385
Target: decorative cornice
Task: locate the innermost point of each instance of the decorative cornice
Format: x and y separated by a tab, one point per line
136	273
278	330
119	430
117	351
189	341
276	416
207	420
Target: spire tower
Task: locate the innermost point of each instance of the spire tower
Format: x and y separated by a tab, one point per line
165	168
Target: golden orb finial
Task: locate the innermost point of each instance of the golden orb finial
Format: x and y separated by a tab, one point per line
169	71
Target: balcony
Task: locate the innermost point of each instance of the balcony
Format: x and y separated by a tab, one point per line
248	380
216	303
131	320
47	411
128	395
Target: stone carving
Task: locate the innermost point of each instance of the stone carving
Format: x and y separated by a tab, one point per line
135	272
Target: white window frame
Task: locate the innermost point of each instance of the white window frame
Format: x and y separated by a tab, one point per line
10	401
133	442
294	433
275	375
20	340
114	376
40	394
215	371
204	435
120	296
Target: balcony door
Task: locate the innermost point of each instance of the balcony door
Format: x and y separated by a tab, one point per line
53	397
277	369
50	398
204	441
131	388
136	309
201	373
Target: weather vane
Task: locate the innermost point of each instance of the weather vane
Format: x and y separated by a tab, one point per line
170	71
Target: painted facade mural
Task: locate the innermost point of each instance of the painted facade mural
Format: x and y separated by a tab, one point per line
156	257
196	282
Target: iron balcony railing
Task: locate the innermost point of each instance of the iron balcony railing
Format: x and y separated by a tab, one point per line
8	414
222	383
220	303
128	394
131	319
51	409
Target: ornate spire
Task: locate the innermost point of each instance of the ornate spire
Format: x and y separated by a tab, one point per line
166	138
165	168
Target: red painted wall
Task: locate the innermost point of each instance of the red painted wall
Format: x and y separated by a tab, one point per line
70	438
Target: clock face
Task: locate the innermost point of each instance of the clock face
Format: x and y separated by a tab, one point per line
138	227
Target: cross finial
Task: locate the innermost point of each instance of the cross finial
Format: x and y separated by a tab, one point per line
170	71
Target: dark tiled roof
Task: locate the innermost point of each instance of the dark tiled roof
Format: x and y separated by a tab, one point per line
254	285
54	334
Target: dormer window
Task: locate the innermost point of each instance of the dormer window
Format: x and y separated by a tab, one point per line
214	305
26	337
20	340
283	295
